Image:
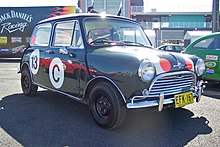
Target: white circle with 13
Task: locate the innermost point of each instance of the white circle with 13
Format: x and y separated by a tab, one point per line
56	73
34	61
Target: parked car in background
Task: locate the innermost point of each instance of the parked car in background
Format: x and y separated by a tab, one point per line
207	48
108	63
171	48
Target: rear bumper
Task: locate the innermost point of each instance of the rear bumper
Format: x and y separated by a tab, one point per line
161	101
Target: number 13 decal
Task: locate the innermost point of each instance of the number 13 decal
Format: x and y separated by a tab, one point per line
34	61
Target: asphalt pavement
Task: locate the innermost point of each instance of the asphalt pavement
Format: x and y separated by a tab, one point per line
52	120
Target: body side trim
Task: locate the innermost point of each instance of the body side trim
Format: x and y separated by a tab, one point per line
51	89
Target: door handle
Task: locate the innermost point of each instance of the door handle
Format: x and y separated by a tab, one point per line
63	51
72	55
50	52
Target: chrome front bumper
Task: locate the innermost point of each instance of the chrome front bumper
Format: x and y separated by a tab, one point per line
161	101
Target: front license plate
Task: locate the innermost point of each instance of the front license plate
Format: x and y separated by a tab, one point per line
183	99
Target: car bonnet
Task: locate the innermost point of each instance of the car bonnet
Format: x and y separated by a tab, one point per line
163	61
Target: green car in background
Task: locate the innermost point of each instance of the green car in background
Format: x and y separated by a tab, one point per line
208	48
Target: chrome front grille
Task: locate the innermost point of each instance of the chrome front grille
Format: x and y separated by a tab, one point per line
172	83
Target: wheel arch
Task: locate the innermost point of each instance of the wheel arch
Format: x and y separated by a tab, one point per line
28	87
97	80
24	65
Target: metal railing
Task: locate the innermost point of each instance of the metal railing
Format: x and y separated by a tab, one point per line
137	9
158	25
171	8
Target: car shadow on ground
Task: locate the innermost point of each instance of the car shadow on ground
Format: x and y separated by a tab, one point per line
212	90
50	119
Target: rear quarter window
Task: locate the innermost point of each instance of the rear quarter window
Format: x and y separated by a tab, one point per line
210	43
41	35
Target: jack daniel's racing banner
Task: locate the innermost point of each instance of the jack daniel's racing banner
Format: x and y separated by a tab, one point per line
17	24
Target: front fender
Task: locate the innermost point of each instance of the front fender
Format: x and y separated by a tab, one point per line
120	69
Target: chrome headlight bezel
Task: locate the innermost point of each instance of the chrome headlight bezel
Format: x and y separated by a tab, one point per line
146	71
200	67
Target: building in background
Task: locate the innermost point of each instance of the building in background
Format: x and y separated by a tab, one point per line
137	2
171	22
168	21
171	27
137	6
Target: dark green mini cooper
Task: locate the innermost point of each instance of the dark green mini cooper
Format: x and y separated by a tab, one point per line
108	63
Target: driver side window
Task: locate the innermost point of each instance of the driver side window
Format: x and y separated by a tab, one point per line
63	34
68	34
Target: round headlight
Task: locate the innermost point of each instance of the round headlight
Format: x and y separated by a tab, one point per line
146	71
200	67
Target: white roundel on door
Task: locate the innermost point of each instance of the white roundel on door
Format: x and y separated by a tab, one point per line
56	73
34	61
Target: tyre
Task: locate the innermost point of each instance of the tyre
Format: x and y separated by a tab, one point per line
28	88
107	106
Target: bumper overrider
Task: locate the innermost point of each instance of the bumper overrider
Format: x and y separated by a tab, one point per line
160	101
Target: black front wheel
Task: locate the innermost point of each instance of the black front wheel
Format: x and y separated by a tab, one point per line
28	88
107	106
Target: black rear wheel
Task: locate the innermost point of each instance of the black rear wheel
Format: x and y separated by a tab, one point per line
28	88
107	106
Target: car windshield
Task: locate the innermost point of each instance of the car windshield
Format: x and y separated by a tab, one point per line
111	31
